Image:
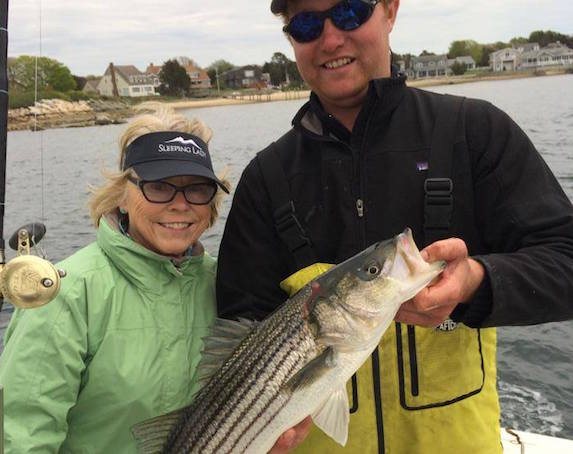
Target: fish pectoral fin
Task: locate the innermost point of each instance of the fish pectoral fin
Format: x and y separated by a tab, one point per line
313	370
333	415
151	435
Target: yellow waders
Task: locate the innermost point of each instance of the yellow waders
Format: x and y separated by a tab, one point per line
424	390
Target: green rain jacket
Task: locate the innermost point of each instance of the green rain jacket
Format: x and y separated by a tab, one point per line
118	345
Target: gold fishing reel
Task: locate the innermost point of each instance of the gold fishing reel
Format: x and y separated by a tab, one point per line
29	281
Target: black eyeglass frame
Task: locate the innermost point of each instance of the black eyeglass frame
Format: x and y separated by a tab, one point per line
323	15
141	183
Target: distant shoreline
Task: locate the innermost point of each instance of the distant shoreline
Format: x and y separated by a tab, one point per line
421	83
80	114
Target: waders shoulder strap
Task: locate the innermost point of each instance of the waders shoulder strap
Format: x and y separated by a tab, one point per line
288	226
438	187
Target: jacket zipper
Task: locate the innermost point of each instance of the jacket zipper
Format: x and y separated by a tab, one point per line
376	382
360	207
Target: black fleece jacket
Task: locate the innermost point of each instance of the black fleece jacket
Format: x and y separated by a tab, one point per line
508	207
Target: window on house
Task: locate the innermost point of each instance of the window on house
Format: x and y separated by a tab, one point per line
135	89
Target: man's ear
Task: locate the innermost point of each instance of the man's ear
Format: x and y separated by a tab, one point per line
391	12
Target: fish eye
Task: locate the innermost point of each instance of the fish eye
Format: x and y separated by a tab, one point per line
373	269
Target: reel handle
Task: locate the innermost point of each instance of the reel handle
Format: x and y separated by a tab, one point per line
35	231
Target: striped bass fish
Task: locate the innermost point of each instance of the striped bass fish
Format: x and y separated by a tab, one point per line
262	378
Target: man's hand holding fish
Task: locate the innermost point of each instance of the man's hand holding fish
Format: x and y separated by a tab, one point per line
457	284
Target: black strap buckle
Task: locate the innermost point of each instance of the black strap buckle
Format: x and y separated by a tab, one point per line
439	187
289	227
438	203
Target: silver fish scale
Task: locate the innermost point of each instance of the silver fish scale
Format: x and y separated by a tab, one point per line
247	392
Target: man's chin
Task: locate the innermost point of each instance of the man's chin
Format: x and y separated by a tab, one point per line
344	97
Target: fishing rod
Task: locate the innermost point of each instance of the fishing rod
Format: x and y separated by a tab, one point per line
27	281
3	139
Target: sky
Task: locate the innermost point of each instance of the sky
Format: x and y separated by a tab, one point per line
86	35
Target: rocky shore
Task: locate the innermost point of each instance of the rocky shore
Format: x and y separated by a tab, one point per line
56	113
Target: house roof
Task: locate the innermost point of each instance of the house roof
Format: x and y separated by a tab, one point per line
467	59
131	75
190	70
242	68
128	71
529	47
429	58
92	83
552	51
502	51
153	69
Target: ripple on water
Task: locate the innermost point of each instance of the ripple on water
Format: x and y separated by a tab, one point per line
528	410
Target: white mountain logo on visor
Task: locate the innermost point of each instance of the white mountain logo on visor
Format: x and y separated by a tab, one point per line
183	141
182	145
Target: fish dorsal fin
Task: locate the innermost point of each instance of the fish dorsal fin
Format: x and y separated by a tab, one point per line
152	434
333	415
223	338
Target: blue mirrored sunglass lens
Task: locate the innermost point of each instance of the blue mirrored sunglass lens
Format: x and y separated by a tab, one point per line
350	15
306	27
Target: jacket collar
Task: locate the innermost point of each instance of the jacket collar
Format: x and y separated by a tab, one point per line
314	120
145	268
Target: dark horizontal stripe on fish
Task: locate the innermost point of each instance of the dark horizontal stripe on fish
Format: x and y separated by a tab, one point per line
259	416
205	409
214	405
272	366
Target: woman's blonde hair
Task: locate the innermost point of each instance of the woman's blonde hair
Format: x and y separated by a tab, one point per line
111	195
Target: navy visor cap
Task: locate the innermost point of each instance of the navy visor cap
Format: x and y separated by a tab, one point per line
166	154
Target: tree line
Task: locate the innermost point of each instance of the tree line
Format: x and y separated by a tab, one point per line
481	52
54	79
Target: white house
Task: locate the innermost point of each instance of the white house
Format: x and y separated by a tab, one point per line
436	65
555	54
466	60
429	66
505	59
125	81
531	56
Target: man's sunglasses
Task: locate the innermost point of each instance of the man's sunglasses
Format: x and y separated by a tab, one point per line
346	15
164	192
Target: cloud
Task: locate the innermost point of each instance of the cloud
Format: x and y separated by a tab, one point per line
433	25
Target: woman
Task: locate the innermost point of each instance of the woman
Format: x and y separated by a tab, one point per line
121	341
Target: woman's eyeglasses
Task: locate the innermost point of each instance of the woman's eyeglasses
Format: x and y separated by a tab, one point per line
346	15
164	192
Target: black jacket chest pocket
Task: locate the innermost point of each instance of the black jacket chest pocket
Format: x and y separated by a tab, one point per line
394	191
438	367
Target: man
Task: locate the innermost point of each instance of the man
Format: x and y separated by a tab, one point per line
366	157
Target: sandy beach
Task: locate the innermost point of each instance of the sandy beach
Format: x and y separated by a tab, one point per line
303	94
240	98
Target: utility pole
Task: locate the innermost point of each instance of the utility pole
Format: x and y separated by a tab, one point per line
217	77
